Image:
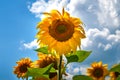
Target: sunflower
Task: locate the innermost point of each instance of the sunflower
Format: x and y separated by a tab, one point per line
60	32
21	68
114	75
98	71
45	60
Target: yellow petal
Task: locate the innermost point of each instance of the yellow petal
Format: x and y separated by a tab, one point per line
100	63
78	34
76	21
94	64
66	15
55	14
73	44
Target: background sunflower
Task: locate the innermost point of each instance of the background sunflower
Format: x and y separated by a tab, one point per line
21	68
98	71
45	60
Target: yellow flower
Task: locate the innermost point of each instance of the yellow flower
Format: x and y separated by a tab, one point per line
21	68
60	32
98	71
45	60
114	75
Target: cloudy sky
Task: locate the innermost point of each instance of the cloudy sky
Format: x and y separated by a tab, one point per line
18	20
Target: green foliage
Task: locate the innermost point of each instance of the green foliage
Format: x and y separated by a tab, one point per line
81	77
72	58
78	56
40	72
116	68
118	78
43	50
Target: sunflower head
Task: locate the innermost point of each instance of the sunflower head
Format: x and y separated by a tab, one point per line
97	71
60	32
45	60
114	75
21	68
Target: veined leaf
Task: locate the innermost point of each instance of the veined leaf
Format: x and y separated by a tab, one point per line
39	72
52	70
81	77
72	58
118	78
82	55
116	68
43	50
78	56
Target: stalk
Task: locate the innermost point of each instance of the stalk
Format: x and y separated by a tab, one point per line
59	69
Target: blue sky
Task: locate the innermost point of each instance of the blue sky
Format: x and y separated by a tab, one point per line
17	25
18	20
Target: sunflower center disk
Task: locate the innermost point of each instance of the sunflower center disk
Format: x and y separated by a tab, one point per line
23	68
61	30
98	72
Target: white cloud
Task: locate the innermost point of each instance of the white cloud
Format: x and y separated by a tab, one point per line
104	33
108	14
73	6
73	69
114	38
105	47
68	77
101	38
31	45
83	70
108	46
41	6
76	70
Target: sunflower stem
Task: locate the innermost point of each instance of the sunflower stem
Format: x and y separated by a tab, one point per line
59	69
26	78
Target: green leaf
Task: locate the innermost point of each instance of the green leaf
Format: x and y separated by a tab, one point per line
78	56
43	50
81	77
72	58
82	55
116	68
52	70
39	72
118	78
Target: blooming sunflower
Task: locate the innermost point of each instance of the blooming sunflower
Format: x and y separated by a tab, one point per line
45	60
21	68
114	75
60	32
98	71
